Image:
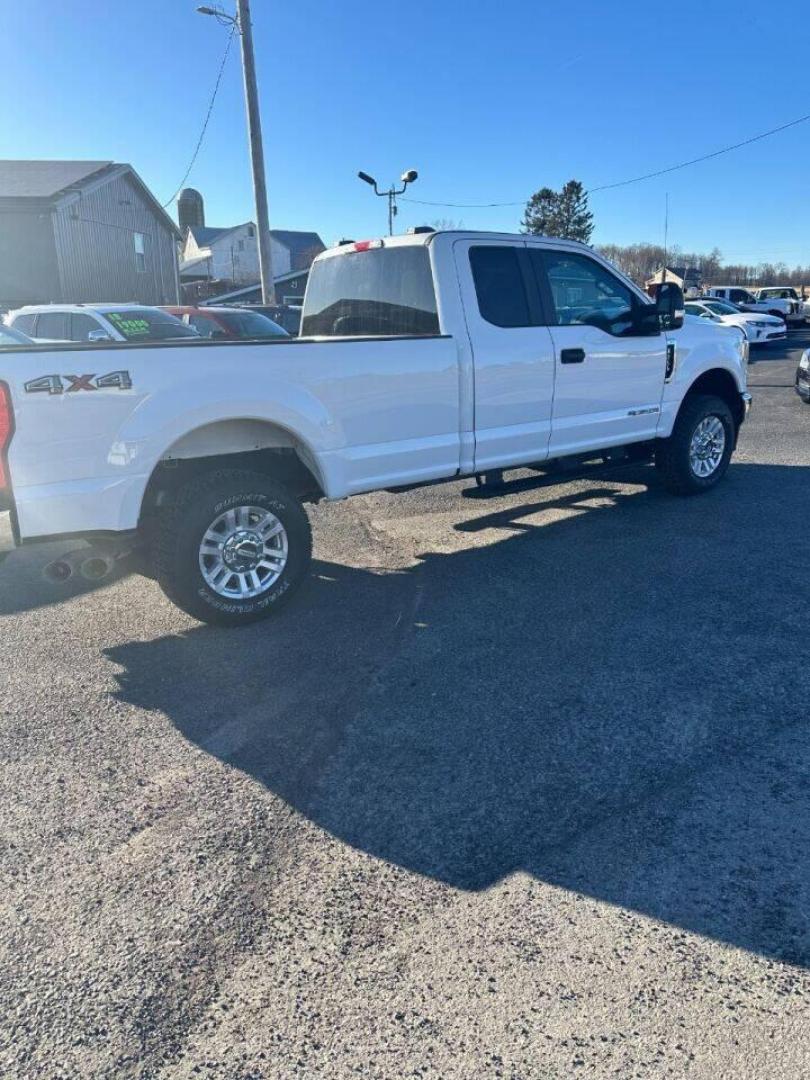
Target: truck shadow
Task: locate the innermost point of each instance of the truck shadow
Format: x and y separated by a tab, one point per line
613	698
23	586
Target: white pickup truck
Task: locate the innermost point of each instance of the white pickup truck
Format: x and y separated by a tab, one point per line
799	308
760	301
422	358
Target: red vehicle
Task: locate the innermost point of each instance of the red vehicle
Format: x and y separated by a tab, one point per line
222	323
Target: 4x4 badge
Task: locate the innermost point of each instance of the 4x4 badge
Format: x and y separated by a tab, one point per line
53	384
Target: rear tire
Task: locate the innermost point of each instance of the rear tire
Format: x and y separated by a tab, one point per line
692	459
232	547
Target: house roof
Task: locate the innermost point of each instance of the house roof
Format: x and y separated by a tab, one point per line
52	181
296	242
44	179
203	235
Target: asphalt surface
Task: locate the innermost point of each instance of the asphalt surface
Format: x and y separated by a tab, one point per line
517	787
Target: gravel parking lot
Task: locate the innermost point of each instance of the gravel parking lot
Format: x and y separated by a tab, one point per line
517	787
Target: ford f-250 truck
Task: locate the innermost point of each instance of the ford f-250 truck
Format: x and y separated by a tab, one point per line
422	358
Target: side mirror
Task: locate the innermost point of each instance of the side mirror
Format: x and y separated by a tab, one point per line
98	336
670	305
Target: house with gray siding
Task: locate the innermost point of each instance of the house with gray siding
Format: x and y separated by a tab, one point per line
83	231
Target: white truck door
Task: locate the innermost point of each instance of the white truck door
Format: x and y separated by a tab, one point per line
513	353
610	366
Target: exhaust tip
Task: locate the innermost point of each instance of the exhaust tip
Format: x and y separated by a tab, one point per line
57	571
96	568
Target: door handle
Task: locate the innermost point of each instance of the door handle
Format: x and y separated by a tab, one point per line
572	356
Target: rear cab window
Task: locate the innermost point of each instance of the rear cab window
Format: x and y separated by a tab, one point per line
251	325
379	292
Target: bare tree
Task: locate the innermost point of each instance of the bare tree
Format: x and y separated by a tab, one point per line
641	261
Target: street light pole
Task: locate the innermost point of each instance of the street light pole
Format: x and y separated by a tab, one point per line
243	25
406	178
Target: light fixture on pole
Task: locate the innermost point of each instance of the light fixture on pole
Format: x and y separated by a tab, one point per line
241	23
406	178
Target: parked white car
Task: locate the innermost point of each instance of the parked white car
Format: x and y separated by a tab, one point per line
746	301
97	323
422	358
756	328
784	292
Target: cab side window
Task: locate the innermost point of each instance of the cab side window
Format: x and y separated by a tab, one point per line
53	324
499	285
81	326
585	293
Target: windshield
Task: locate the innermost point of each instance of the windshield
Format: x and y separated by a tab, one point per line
250	324
779	294
720	307
382	292
148	324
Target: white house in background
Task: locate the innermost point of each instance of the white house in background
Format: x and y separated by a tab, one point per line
232	254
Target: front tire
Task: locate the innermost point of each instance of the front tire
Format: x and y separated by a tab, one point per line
232	547
697	454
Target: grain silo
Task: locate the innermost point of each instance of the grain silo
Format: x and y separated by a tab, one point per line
190	210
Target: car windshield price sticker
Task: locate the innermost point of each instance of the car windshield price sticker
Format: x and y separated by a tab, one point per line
129	326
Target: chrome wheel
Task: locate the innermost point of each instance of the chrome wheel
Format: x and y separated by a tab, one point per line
707	446
243	552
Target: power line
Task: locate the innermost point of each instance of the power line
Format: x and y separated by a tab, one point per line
634	179
704	157
207	118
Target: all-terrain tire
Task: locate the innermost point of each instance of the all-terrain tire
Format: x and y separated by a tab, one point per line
179	530
672	455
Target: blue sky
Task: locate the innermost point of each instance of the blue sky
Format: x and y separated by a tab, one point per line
488	102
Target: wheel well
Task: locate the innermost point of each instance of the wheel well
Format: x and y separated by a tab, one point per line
284	463
720	383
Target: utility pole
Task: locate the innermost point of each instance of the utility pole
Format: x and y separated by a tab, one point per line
666	235
256	152
243	25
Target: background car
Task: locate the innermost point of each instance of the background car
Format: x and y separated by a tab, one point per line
757	328
98	323
228	324
803	377
283	314
9	336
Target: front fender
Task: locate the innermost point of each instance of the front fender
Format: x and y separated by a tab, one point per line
700	348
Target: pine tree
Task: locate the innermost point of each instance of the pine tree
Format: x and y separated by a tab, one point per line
560	213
